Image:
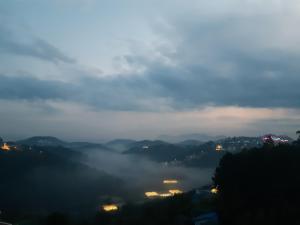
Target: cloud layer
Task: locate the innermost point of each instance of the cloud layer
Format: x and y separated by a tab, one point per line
221	58
37	48
198	54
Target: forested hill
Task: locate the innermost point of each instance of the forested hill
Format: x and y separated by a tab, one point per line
47	179
260	186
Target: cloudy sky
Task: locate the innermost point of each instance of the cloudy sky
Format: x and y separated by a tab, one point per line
103	69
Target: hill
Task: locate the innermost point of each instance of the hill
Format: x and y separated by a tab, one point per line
43	141
120	145
39	180
259	186
184	137
157	150
200	155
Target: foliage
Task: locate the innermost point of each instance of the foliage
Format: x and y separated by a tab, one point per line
260	186
47	179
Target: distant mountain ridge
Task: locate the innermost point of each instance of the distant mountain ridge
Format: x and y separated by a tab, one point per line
42	141
190	143
194	136
158	150
120	145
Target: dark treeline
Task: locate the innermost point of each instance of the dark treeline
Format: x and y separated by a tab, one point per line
43	180
178	210
260	186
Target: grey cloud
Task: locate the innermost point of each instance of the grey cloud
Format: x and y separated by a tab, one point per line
29	88
226	61
182	88
37	48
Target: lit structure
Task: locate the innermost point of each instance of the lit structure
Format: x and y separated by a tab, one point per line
219	148
5	147
170	181
164	195
170	193
110	207
214	190
274	139
150	194
175	191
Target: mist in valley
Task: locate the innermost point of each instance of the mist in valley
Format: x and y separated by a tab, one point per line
140	174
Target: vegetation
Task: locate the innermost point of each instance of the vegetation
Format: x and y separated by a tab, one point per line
178	210
43	180
298	133
260	186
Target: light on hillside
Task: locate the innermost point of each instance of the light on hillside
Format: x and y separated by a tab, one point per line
175	191
5	147
150	194
109	208
170	181
219	148
214	190
165	195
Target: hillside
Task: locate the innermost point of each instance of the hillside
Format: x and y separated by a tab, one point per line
120	145
260	186
157	150
39	180
46	141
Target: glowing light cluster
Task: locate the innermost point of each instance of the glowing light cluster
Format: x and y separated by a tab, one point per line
110	207
175	191
170	193
5	147
170	181
150	194
219	148
164	195
214	190
274	139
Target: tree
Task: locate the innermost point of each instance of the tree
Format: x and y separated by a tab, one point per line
259	186
57	219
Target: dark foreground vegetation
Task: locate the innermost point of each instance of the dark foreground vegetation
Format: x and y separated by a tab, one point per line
260	186
42	180
177	210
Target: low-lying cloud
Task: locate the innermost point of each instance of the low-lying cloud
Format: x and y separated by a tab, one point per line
141	175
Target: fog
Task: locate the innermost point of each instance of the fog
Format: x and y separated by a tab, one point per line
140	174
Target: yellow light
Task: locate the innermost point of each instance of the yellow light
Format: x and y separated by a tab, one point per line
214	190
164	195
150	194
109	208
175	191
219	148
5	147
170	181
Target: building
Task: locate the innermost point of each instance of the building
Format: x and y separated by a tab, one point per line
274	139
219	147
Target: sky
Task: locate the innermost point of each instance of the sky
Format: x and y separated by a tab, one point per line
96	70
